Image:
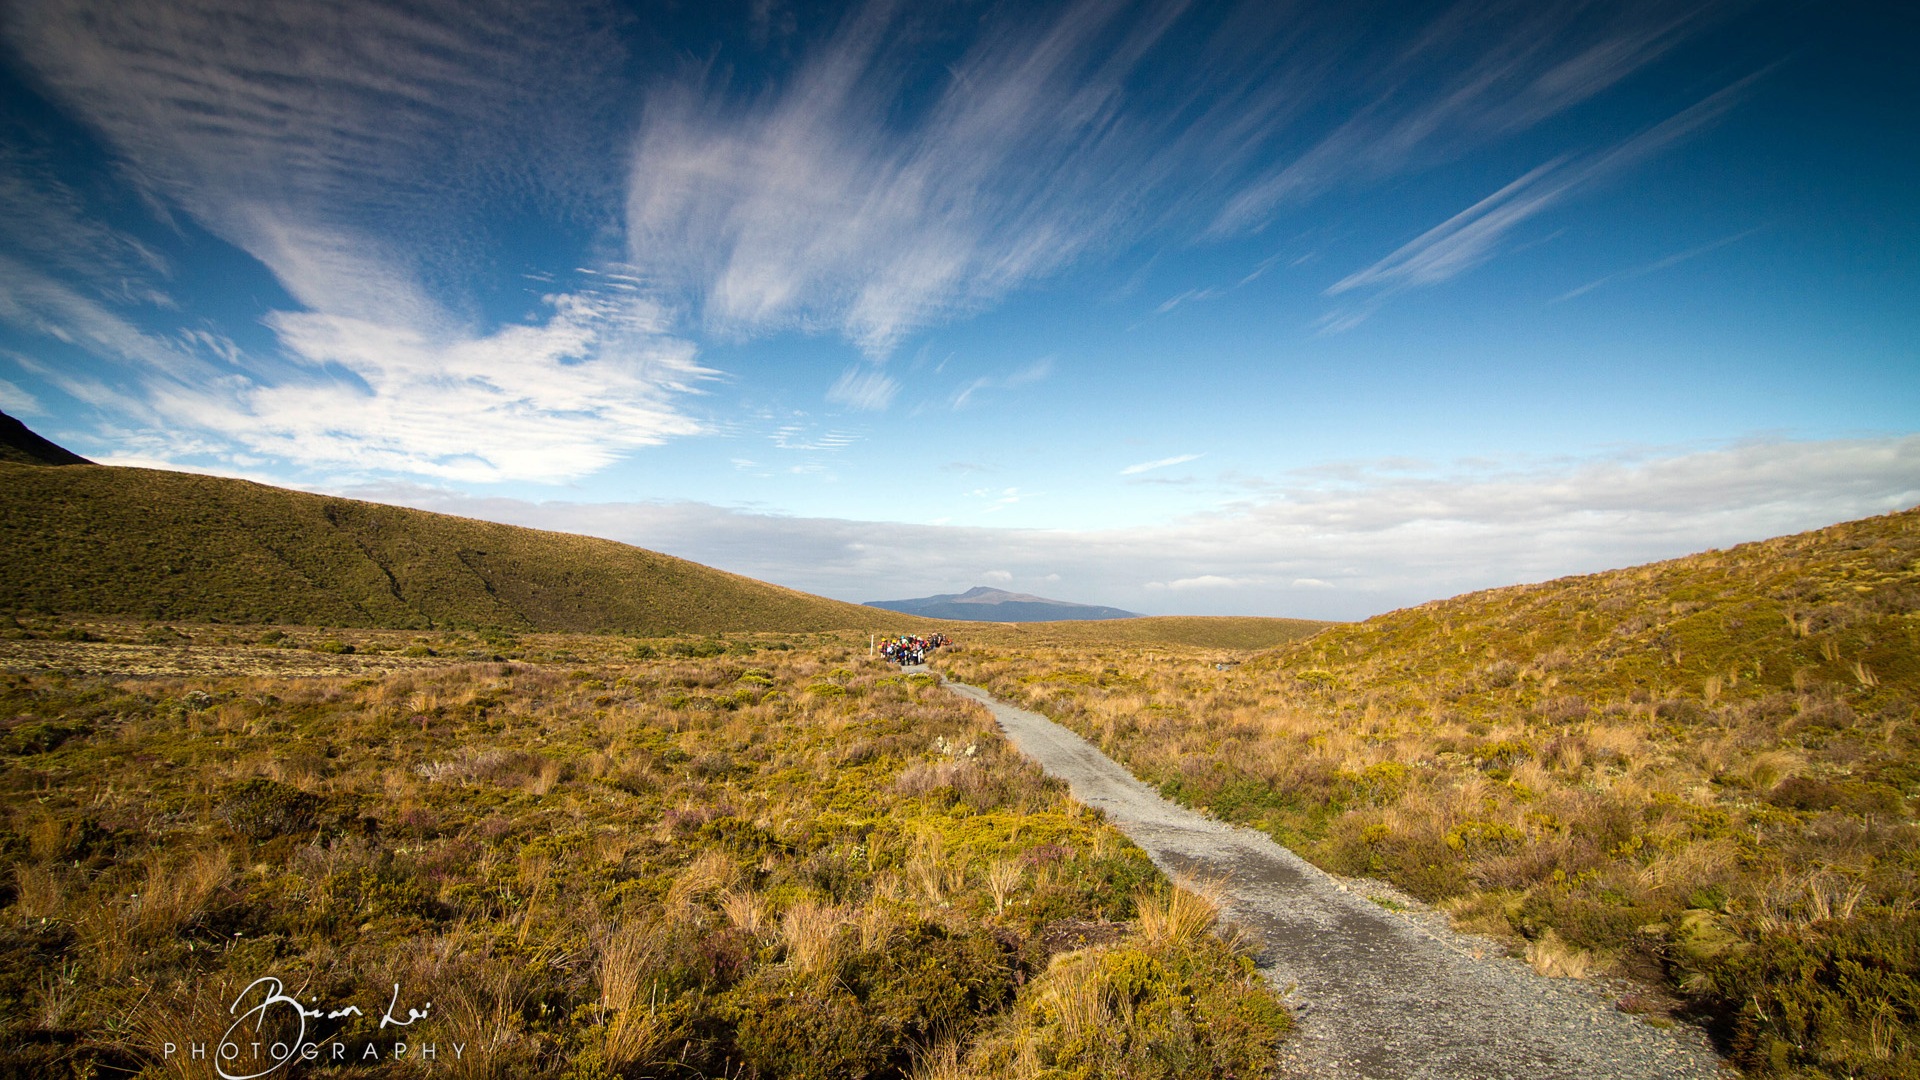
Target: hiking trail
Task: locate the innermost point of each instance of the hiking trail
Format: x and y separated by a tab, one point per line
1377	994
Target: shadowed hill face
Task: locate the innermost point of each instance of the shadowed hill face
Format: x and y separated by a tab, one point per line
179	546
21	446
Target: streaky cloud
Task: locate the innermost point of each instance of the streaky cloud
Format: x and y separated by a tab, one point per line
1473	236
863	388
1656	266
1149	466
821	203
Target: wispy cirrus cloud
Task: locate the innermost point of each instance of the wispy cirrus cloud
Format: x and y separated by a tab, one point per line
1474	73
810	207
1472	236
894	180
1656	266
1149	466
1038	371
17	401
865	388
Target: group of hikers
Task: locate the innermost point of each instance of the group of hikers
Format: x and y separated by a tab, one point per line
911	650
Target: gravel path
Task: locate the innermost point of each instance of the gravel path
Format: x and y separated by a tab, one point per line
1377	994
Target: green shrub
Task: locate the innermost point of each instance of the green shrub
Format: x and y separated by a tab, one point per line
40	736
261	809
1840	996
803	1029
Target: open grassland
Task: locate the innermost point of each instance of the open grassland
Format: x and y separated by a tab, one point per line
1700	775
595	858
1227	632
176	546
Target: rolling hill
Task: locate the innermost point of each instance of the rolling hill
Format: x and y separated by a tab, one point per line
86	539
179	546
983	604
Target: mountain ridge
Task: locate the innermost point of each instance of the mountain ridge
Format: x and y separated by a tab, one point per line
983	603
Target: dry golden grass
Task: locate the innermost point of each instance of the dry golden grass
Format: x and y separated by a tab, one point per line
592	862
636	1028
1180	917
1556	959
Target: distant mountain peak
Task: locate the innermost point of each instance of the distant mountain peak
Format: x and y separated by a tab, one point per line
984	603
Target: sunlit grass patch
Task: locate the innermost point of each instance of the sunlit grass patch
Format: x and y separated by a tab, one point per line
602	865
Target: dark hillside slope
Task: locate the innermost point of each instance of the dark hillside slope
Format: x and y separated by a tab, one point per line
23	446
178	546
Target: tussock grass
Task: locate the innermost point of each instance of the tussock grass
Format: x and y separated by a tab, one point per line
592	863
1703	774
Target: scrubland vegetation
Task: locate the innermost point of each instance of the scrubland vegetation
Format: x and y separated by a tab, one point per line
1698	775
594	856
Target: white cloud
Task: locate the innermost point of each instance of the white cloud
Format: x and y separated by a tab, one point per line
1204	581
543	402
1148	466
17	401
800	437
813	206
251	116
348	147
1375	538
997	575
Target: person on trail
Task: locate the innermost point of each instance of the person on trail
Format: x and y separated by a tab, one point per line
906	650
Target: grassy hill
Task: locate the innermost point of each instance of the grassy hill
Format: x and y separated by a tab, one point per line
177	546
1701	774
94	540
1835	607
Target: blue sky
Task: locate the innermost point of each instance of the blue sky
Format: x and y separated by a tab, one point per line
1308	309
